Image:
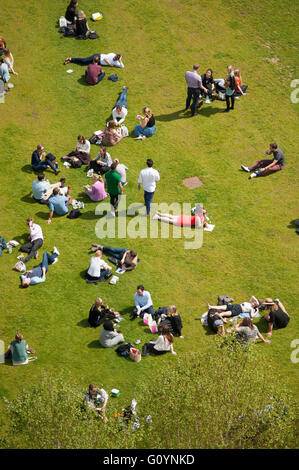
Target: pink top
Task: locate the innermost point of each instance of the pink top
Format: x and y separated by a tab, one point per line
186	220
97	192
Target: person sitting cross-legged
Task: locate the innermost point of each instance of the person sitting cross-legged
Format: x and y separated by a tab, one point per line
98	269
38	274
143	303
277	317
97	191
94	73
163	344
58	204
100	312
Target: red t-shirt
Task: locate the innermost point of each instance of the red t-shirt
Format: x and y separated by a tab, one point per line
93	71
237	83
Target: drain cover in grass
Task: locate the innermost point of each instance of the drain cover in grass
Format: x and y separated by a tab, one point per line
192	182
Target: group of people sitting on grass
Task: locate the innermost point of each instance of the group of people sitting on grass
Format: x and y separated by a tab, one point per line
168	319
276	316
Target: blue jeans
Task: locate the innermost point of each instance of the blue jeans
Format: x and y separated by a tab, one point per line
147	131
100	78
148	197
115	252
84	60
47	259
122	99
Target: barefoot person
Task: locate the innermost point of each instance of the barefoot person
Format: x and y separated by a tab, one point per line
197	221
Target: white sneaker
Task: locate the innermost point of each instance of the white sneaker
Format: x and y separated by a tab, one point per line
208	101
245	168
112	213
55	260
253	175
155	217
56	251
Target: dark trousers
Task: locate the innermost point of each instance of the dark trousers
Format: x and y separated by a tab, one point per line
192	93
148	197
49	158
232	99
104	272
114	200
149	310
117	253
98	168
84	60
31	248
148	348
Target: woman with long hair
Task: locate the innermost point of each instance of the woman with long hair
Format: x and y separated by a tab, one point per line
247	332
96	400
229	89
9	60
110	135
146	124
163	344
99	312
240	90
277	316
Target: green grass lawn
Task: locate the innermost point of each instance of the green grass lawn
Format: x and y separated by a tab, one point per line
253	249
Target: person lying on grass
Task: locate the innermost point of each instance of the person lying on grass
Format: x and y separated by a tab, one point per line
38	274
233	310
123	258
277	316
111	59
197	221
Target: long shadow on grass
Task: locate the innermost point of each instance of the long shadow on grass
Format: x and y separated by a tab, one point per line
21	238
172	116
83	323
27	169
294	224
207	112
28	198
44	215
83	82
95	345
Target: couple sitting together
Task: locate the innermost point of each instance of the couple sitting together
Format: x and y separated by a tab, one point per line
100	271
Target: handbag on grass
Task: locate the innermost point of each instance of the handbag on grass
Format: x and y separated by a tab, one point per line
147	319
135	355
153	327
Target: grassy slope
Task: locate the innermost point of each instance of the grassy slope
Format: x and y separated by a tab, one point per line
252	249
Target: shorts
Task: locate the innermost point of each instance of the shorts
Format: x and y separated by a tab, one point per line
235	309
218	323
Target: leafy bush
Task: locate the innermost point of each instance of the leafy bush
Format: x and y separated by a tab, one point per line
224	398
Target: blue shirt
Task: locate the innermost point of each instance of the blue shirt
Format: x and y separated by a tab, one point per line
144	301
58	204
39	188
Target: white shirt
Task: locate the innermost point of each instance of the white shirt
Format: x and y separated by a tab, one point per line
95	266
83	147
148	178
109	57
119	117
162	344
121	169
35	232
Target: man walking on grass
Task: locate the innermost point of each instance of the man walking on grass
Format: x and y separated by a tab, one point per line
148	177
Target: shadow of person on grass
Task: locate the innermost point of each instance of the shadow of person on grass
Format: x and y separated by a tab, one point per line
95	345
294	224
28	169
84	323
207	112
44	215
172	116
28	198
21	238
82	81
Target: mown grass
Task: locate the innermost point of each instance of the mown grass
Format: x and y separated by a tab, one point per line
253	249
